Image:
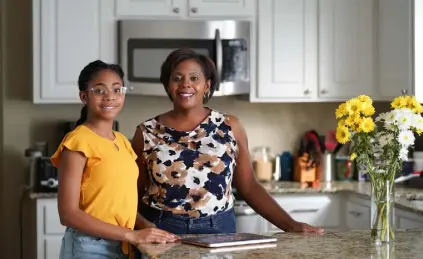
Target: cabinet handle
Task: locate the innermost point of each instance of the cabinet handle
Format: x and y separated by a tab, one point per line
305	211
404	91
194	10
355	213
176	10
131	88
307	91
324	91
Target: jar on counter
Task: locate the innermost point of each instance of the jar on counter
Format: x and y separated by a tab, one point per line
263	163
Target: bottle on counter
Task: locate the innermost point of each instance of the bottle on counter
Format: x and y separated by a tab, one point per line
286	166
263	163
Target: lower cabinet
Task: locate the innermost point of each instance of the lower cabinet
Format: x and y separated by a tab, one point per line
357	212
49	230
407	220
316	210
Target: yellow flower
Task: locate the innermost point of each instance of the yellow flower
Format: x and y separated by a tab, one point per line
415	106
341	123
341	111
342	135
365	99
353	156
367	125
353	119
368	109
353	106
399	102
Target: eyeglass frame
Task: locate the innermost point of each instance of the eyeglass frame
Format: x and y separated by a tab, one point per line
107	90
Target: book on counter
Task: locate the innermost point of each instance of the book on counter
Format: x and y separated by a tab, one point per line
230	240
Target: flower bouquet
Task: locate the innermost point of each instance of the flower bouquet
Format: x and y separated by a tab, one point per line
379	147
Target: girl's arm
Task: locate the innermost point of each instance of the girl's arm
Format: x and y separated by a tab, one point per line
71	167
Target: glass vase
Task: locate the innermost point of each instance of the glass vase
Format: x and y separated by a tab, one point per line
382	214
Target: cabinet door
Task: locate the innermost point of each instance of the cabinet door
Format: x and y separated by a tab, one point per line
394	43
219	8
67	36
170	8
287	49
408	220
52	245
345	48
358	216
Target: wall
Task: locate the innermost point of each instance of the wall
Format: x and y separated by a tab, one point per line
2	222
275	125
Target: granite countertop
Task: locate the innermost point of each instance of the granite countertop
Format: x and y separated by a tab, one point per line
403	194
343	244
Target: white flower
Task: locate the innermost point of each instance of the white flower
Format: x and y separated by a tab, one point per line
380	117
385	139
417	122
403	155
406	138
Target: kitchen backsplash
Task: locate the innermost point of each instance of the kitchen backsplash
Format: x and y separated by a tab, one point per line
278	126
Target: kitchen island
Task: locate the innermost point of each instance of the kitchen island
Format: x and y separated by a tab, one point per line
349	244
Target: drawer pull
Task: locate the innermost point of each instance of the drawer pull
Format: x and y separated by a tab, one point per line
305	211
355	213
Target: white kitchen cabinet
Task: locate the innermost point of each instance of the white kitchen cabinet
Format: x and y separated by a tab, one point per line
49	229
148	8
67	35
219	8
317	210
346	48
185	8
394	46
407	219
311	50
287	50
357	214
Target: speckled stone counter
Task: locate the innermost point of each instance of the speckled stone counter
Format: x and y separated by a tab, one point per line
334	245
403	194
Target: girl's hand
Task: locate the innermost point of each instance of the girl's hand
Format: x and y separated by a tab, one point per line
150	235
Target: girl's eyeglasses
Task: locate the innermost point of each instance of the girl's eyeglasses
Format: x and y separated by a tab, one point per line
101	92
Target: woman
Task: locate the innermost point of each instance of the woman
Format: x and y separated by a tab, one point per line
190	155
97	197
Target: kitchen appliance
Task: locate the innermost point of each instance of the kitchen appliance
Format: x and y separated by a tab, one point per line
43	176
145	44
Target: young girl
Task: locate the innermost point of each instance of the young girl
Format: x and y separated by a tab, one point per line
97	194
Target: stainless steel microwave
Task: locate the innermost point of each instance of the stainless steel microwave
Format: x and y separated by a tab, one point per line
145	44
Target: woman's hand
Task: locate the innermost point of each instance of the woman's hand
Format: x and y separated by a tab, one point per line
150	235
304	228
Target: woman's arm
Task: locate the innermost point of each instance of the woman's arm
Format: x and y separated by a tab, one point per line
143	179
254	193
71	167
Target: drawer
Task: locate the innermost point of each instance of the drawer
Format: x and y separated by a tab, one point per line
51	220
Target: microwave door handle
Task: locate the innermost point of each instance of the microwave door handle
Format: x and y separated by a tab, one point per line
219	56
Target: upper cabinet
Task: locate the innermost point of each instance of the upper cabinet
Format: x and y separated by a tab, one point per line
345	48
167	8
287	50
67	35
314	50
394	48
185	8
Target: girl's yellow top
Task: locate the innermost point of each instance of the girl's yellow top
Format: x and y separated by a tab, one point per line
109	181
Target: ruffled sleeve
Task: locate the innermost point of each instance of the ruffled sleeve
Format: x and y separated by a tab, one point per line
129	147
75	141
